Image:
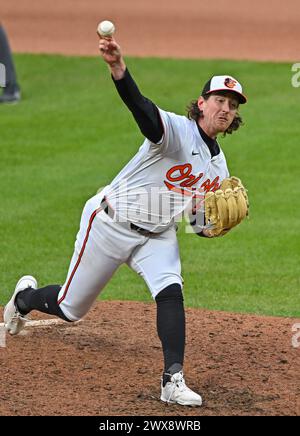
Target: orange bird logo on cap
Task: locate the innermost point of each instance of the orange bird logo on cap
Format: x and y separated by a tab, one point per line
229	83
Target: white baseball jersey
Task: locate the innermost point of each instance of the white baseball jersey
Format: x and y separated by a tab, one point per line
153	188
158	184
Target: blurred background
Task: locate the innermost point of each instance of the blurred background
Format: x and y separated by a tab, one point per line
260	29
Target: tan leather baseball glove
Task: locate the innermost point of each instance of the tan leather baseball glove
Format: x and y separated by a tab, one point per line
226	207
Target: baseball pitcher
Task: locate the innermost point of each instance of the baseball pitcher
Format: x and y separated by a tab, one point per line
179	168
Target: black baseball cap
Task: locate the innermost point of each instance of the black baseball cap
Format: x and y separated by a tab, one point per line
224	83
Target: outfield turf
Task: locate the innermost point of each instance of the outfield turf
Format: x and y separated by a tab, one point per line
71	134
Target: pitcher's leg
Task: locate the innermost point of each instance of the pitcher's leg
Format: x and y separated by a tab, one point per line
86	278
44	300
90	269
158	262
171	331
171	328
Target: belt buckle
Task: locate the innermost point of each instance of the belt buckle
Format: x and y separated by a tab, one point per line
142	231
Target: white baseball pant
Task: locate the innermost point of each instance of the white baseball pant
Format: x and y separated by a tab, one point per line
101	246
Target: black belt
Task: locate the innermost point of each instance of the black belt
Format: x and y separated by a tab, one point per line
110	212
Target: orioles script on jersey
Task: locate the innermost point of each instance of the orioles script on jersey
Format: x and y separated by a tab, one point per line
183	174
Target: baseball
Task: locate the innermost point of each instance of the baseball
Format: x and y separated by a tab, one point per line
106	28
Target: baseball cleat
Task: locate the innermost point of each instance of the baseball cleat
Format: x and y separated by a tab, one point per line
10	97
14	322
176	391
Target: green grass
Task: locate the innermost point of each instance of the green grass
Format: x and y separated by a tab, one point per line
71	134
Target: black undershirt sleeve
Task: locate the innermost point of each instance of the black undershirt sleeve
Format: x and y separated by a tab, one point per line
144	111
146	114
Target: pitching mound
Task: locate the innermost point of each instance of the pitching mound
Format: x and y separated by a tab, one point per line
110	364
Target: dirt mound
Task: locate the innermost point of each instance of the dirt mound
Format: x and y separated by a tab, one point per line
110	364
